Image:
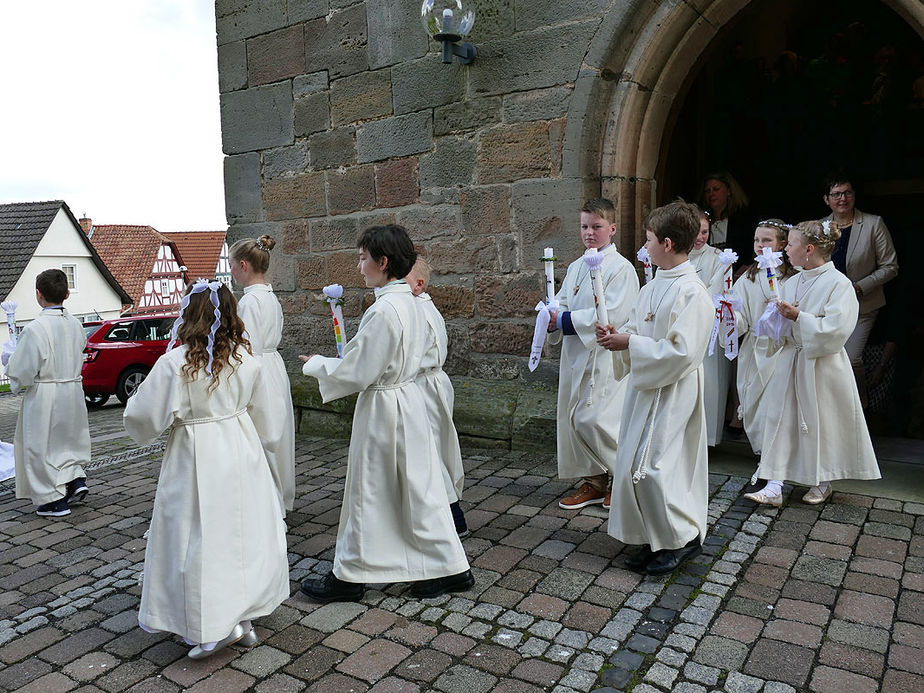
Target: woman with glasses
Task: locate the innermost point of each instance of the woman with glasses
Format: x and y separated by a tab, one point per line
865	254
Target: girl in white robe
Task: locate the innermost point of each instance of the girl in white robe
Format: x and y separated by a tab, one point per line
395	522
52	439
262	315
216	552
438	393
815	431
755	364
716	368
590	398
660	487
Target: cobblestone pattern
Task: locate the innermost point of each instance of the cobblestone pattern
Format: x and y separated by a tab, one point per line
802	598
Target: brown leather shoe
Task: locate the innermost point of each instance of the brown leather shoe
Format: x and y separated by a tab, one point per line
586	495
606	501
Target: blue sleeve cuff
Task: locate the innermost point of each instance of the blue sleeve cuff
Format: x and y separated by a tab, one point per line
565	324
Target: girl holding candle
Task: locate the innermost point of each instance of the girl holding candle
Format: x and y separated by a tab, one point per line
754	292
589	396
395	522
814	431
262	315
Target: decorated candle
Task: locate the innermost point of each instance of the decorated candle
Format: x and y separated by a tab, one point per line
334	296
594	261
645	259
548	260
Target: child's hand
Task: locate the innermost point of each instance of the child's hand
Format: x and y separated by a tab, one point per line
610	339
787	310
306	359
603	330
553	321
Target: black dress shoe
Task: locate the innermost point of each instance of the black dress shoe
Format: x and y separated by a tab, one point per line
330	588
458	519
428	589
669	560
639	559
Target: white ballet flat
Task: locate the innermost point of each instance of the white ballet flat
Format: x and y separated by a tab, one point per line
762	498
250	638
815	496
237	634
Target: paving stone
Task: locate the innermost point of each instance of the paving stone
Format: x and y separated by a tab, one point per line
737	626
90	666
828	679
794	632
817	569
851	658
736	682
780	661
464	679
702	673
721	653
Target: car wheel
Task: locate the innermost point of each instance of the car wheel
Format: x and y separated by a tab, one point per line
129	381
95	401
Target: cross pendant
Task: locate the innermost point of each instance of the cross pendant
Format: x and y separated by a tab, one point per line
649	317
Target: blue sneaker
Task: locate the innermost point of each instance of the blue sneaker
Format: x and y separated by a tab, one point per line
76	491
56	508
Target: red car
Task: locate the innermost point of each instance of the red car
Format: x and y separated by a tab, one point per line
119	354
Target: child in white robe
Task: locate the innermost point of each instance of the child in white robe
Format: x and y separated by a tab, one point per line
438	393
262	315
755	365
815	431
52	439
590	398
216	552
395	522
660	486
716	368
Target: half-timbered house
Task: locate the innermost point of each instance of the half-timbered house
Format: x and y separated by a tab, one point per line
205	254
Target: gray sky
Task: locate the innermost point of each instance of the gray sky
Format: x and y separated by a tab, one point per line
112	106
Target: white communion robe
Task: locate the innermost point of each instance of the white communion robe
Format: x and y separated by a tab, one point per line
815	430
756	360
395	522
590	399
216	552
440	398
262	315
663	434
716	368
52	438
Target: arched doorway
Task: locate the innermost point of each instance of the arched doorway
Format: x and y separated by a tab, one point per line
654	138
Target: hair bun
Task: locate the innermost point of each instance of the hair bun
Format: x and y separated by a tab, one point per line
267	242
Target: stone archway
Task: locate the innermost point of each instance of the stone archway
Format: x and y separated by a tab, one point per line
646	55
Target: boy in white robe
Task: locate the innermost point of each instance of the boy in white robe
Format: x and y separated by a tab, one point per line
590	398
438	393
660	486
52	439
815	431
395	522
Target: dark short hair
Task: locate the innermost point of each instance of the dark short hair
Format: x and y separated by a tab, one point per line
676	220
602	207
838	177
53	285
390	241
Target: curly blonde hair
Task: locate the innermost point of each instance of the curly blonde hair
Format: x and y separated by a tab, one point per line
196	327
822	234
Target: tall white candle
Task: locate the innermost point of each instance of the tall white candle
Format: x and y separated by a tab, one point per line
594	262
548	259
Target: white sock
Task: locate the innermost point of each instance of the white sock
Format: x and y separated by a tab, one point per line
773	488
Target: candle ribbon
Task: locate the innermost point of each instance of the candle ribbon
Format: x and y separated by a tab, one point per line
645	259
725	307
541	330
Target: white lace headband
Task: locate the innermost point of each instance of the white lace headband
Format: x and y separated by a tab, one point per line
198	287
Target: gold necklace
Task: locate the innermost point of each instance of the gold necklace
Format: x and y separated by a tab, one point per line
804	290
650	316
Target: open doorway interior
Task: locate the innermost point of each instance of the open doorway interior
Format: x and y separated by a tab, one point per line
791	90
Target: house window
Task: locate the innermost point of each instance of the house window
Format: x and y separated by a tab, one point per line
165	288
70	271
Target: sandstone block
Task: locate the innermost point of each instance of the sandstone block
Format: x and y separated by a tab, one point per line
295	237
545	213
276	56
452	163
310	83
283	161
396	182
472	114
542	104
293	304
243	230
512	152
312	113
395	34
342	269
303	10
453	301
531	14
328	233
243	202
351	190
501	338
257	118
363	96
425	83
394	137
465	255
485	209
240	19
425	222
337	42
311	272
281	273
513	295
232	66
294	197
332	148
494	20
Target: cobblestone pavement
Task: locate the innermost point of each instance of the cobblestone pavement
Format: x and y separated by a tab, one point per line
801	598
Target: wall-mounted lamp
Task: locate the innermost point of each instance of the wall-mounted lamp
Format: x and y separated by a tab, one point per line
448	21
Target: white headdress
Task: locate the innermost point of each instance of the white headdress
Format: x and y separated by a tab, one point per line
198	287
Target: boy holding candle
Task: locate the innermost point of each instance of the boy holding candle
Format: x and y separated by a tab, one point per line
661	472
589	396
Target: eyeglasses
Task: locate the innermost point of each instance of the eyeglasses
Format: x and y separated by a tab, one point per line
841	195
